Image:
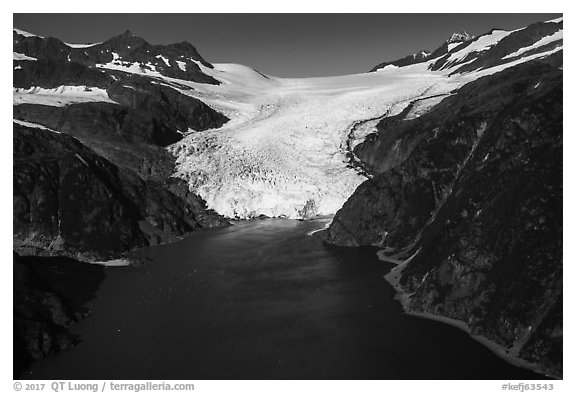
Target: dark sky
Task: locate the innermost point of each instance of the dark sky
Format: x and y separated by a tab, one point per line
288	45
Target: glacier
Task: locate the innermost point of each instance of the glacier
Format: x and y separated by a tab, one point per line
284	151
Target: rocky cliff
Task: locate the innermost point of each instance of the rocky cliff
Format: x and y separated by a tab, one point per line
49	297
472	191
70	201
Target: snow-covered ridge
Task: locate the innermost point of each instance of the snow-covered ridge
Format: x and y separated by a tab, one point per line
25	33
480	44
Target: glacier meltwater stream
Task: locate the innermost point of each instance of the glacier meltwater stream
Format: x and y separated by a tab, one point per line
262	300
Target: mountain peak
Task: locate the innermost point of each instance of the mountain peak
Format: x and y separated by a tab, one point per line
125	42
459	37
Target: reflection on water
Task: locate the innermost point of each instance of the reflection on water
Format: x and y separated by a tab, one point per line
262	300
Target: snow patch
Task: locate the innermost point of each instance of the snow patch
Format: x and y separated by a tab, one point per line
165	60
21	56
60	96
422	107
389	67
82	160
34	125
453	45
77	46
134	68
25	33
112	262
182	65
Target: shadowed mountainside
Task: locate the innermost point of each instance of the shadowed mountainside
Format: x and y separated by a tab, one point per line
70	201
473	191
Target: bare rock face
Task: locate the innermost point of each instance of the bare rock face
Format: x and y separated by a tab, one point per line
460	37
70	201
43	309
475	188
50	74
167	106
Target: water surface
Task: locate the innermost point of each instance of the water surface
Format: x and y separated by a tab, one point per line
262	300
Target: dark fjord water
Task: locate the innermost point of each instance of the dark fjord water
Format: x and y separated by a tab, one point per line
262	300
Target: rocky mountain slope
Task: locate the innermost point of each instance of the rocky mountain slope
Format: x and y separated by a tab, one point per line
455	40
49	296
467	198
463	52
123	115
70	201
109	128
91	175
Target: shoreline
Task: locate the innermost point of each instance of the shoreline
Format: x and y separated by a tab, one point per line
509	355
